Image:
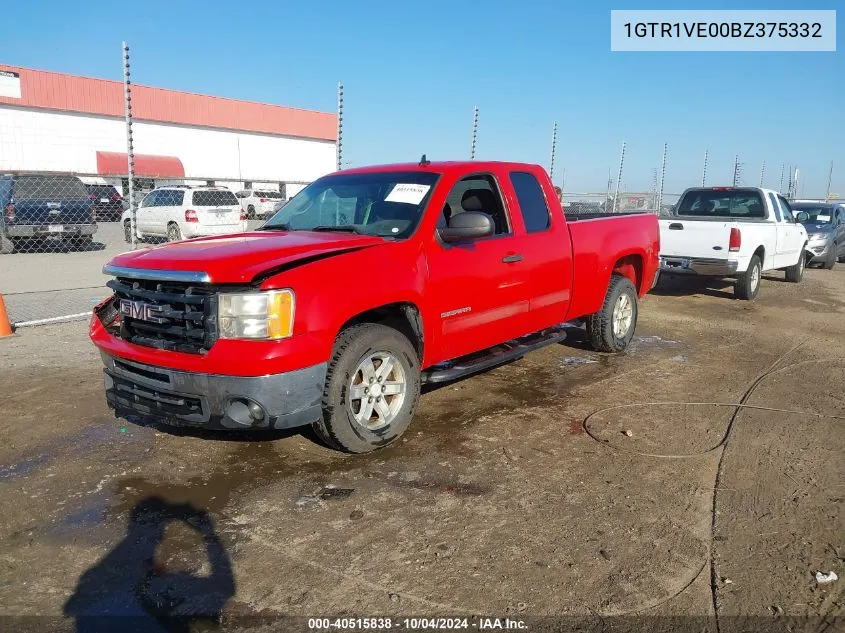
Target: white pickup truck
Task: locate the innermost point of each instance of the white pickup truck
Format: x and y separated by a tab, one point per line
738	232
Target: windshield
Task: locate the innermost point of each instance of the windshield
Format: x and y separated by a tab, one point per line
817	214
388	204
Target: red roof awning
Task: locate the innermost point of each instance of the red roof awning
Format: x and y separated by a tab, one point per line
146	165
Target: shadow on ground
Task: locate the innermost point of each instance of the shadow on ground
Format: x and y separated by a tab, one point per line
134	588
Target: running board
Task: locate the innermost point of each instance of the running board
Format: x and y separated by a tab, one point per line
493	356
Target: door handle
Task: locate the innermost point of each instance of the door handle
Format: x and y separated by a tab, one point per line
512	259
676	226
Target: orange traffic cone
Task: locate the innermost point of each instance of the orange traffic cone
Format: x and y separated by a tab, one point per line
5	326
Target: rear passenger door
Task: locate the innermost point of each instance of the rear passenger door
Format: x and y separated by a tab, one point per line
546	250
794	242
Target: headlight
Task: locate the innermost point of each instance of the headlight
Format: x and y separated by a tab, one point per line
256	315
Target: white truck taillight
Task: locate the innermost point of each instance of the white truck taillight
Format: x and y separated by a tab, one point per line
735	240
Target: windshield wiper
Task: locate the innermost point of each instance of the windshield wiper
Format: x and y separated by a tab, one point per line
274	227
345	228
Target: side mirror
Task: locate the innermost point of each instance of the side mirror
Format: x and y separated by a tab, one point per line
802	217
467	225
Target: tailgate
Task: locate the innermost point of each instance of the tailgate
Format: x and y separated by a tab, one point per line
690	238
52	212
215	216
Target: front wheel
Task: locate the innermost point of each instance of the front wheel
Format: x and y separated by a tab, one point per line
612	328
831	259
795	273
372	388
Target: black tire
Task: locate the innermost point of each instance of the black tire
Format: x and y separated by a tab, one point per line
250	212
831	259
795	273
748	283
338	427
82	243
173	232
7	245
841	259
600	326
127	231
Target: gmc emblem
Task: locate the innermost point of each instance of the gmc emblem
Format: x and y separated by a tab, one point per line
142	311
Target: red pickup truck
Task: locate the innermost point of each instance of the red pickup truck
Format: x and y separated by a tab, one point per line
367	284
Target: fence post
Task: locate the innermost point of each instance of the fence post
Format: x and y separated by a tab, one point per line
829	178
704	171
662	178
130	151
554	142
762	173
339	146
619	177
474	133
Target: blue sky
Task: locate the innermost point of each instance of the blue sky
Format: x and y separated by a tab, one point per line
412	73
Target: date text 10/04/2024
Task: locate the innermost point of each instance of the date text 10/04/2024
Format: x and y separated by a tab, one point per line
410	624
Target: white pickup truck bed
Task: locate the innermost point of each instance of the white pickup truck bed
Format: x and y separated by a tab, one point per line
732	232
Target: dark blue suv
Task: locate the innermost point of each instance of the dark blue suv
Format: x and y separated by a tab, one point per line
38	210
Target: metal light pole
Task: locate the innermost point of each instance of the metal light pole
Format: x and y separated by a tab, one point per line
704	171
552	162
130	151
474	133
619	178
339	157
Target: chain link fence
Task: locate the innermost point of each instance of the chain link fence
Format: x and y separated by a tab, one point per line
584	204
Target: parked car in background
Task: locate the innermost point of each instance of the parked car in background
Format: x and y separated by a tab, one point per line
825	226
182	211
40	211
259	203
465	266
108	203
738	232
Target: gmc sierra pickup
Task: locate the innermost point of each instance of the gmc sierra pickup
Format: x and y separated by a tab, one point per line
367	284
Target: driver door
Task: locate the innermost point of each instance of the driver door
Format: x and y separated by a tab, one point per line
479	289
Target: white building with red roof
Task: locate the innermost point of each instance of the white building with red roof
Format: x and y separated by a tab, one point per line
58	123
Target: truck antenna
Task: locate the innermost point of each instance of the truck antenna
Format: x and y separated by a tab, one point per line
424	161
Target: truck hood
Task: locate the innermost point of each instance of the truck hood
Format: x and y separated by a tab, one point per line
242	257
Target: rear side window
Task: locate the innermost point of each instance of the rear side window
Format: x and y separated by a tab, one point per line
269	194
173	198
775	206
49	188
215	199
532	202
735	203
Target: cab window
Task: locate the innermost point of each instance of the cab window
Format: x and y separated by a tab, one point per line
477	193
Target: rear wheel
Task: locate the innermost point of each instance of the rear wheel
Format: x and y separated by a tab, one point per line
748	283
250	212
173	232
795	273
612	328
127	231
82	243
372	388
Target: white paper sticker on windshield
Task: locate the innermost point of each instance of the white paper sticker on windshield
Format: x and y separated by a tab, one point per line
407	193
822	218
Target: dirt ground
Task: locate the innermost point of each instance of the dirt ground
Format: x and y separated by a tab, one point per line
568	484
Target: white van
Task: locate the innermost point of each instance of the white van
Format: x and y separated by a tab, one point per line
181	211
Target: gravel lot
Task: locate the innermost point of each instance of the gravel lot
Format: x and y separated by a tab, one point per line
568	484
